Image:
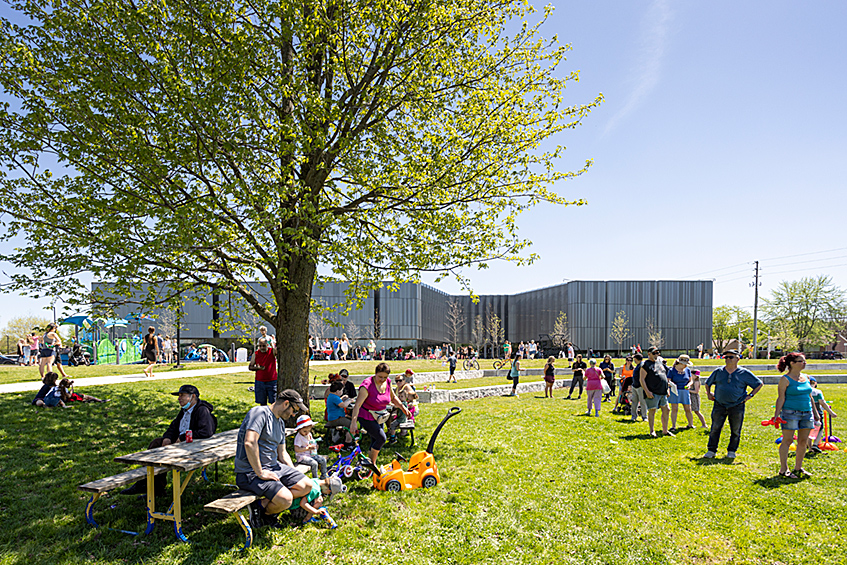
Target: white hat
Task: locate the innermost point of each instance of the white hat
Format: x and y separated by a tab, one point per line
304	421
335	485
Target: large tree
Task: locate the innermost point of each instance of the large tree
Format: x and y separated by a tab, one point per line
177	145
814	309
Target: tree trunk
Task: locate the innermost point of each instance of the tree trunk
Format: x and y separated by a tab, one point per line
292	327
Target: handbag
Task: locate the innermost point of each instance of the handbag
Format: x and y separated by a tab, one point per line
606	388
381	416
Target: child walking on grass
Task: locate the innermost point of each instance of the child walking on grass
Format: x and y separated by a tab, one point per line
306	448
819	405
694	391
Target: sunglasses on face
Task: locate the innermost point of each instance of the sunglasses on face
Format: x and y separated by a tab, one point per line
729	356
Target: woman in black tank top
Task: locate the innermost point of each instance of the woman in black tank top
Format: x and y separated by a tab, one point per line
549	376
151	350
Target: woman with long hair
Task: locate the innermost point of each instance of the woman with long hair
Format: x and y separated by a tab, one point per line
47	353
151	350
794	405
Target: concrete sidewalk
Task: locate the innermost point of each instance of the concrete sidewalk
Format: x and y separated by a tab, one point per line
121	379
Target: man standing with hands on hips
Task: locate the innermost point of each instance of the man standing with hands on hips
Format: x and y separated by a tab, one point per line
730	397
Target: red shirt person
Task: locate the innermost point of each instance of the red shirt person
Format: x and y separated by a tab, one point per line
264	363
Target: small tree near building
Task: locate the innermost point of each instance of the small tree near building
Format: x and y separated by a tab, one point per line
655	338
620	329
561	333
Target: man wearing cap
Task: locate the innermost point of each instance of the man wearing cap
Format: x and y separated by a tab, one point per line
264	363
654	382
730	397
262	465
195	415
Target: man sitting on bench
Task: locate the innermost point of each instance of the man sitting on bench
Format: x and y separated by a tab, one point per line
263	466
195	415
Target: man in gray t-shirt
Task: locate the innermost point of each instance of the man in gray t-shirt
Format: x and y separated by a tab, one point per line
262	465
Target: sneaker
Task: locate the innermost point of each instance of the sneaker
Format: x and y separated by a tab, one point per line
730	455
256	511
709	455
669	433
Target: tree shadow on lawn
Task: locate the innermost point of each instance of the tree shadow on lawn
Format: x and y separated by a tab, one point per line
47	452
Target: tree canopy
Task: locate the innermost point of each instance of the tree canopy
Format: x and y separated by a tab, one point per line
813	309
205	146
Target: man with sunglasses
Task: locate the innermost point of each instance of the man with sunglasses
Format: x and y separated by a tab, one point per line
262	464
730	396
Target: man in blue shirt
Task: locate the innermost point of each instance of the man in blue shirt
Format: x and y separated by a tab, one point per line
730	397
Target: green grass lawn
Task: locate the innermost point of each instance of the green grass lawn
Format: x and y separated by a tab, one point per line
525	480
16	374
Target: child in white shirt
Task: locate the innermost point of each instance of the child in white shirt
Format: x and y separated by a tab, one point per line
306	448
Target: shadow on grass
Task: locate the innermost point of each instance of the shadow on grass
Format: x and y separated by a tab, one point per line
48	452
777	481
631	437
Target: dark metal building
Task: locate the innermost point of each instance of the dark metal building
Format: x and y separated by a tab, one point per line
415	315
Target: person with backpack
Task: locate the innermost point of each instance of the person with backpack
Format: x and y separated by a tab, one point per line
194	415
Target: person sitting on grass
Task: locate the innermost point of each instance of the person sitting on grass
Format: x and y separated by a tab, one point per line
306	448
49	395
66	388
307	507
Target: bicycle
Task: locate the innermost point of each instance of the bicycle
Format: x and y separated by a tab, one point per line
499	364
470	364
350	466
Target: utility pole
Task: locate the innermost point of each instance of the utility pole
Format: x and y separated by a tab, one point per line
756	284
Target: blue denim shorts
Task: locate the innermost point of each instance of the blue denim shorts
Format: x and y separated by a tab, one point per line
797	420
657	401
265	392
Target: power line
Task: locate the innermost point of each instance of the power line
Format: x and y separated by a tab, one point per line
808	261
717	270
807	269
805	254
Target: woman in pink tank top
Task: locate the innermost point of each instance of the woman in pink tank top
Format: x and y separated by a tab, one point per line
375	393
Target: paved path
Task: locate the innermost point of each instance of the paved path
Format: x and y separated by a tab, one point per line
120	379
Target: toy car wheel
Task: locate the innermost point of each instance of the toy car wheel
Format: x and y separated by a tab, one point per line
363	474
393	486
347	471
429	481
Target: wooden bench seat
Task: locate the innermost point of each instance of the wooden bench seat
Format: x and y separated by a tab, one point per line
236	501
120	480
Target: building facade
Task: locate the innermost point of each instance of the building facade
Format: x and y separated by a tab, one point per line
416	315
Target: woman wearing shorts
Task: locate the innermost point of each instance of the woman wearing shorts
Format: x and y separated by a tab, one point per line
794	405
374	395
47	351
151	350
680	375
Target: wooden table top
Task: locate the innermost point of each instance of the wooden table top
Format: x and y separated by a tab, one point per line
187	456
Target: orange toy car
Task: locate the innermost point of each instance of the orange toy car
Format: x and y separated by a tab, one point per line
423	472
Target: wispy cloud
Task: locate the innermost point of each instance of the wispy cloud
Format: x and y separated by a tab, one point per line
647	70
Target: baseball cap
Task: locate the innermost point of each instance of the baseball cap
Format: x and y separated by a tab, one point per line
343	373
653	349
294	398
335	485
187	389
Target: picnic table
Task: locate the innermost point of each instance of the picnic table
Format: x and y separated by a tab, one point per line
178	459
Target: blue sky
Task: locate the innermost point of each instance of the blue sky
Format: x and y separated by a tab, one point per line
721	142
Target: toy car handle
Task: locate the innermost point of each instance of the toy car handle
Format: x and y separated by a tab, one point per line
368	464
399	457
450	413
